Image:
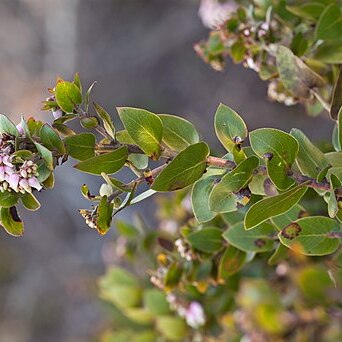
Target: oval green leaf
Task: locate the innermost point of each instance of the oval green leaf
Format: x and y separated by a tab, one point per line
310	159
108	163
7	126
281	150
233	181
329	26
67	96
187	167
273	206
229	127
10	220
260	239
178	133
208	240
312	235
145	128
200	199
81	146
231	262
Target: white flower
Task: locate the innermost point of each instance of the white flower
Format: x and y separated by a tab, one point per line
214	13
194	315
57	113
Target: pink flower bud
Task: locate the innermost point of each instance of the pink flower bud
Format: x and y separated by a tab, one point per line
2	173
14	181
23	173
6	160
25	185
20	129
9	170
33	182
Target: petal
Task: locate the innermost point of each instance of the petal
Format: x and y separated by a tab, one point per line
33	182
14	181
2	173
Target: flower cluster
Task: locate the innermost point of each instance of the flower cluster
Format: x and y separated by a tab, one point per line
193	313
184	249
16	177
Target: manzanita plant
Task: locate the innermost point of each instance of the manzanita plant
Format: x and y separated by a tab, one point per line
253	201
274	38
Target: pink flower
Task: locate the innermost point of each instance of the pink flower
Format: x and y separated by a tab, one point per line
194	315
33	182
214	13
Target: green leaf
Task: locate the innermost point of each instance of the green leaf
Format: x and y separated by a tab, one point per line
200	199
10	220
208	240
145	128
87	96
281	252
311	235
310	159
120	287
334	158
155	302
8	199
273	206
231	262
104	215
178	133
329	26
339	126
106	119
44	173
115	183
336	103
230	129
260	239
310	10
51	139
140	161
46	154
296	76
77	81
7	126
89	122
233	181
108	163
142	196
185	169
173	328
63	129
279	149
329	52
67	96
126	229
291	215
81	146
30	202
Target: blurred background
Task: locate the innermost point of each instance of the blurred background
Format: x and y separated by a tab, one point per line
141	54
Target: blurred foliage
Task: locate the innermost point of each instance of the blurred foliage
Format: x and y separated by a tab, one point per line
293	45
